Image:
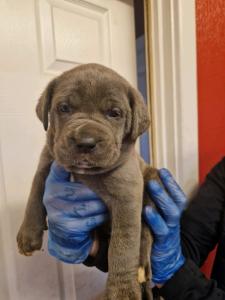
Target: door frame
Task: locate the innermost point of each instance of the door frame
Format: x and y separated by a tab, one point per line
170	28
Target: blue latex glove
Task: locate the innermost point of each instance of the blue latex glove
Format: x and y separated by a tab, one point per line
73	212
166	256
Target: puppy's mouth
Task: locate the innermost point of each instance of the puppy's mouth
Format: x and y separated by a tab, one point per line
83	164
84	167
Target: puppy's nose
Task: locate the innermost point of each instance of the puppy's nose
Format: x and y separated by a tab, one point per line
86	144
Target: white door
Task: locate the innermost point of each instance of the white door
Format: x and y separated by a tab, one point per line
38	40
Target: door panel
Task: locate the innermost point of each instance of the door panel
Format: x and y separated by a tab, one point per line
40	39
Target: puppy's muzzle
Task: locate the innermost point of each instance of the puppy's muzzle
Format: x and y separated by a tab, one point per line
86	146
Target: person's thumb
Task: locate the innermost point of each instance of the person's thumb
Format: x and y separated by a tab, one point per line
58	173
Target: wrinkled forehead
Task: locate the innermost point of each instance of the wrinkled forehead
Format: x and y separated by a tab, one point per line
91	90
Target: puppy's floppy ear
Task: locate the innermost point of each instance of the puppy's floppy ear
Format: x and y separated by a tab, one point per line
140	119
44	103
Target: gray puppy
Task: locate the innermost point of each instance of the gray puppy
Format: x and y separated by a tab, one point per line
95	118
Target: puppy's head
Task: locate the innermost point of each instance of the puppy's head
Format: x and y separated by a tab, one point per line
94	116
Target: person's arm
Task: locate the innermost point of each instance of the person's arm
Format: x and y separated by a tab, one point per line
201	223
175	276
188	283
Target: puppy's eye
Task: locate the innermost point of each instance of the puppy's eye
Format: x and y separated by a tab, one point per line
114	113
64	108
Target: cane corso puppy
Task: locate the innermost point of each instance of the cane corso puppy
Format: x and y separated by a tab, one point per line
93	117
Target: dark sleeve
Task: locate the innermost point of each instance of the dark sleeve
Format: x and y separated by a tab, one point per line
189	283
202	224
100	261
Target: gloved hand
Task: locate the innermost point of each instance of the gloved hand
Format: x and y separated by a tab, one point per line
73	212
166	256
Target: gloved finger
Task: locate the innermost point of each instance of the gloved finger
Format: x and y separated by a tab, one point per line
74	209
164	202
89	208
69	191
69	227
69	250
173	188
58	173
155	222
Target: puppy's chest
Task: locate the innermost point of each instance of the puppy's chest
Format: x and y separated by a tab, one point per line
108	187
104	186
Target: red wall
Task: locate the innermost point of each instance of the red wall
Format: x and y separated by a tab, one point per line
210	16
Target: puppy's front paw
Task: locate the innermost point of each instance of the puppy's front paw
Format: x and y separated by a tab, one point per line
29	239
131	295
130	291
